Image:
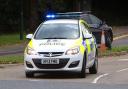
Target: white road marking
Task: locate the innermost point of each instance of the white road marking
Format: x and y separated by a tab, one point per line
123	60
120	37
33	80
122	70
99	77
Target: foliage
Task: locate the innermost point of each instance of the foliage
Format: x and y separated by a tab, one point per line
9	13
57	5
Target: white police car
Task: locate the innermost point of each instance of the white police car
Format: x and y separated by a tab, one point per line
61	45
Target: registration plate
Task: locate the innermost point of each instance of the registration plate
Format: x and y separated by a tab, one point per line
50	61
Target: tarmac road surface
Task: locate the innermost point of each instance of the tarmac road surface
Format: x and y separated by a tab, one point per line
120	42
113	74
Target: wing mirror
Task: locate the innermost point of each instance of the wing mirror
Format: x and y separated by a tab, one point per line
95	26
29	36
88	36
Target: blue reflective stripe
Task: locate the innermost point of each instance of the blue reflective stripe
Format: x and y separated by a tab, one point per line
84	43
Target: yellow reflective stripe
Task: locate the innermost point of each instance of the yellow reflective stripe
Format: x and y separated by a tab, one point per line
82	49
78	43
87	25
88	45
30	44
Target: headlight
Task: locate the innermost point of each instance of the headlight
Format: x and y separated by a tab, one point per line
73	51
31	51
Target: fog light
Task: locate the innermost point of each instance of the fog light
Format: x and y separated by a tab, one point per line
74	64
28	64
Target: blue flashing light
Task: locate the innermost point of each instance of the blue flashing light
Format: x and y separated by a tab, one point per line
50	16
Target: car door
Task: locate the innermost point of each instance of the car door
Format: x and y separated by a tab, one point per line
89	45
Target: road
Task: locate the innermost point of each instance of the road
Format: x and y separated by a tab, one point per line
14	49
120	42
113	72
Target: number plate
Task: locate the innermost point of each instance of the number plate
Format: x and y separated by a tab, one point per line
50	61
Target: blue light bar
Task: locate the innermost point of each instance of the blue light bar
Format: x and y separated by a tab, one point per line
67	15
50	16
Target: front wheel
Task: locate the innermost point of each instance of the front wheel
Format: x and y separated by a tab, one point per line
109	43
83	70
94	68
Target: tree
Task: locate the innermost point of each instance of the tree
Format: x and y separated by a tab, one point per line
9	16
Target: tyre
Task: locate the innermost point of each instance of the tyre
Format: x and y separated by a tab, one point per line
29	74
109	43
83	70
94	68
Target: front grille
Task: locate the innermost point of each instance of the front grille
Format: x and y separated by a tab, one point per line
51	54
62	63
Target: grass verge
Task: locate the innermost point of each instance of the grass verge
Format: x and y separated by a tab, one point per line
116	51
11	59
10	39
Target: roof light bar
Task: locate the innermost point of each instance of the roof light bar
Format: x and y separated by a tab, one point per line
50	16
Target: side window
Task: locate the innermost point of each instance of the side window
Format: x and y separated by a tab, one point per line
95	20
87	19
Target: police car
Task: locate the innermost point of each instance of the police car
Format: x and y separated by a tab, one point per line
61	45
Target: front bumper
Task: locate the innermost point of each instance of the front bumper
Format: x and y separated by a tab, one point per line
65	64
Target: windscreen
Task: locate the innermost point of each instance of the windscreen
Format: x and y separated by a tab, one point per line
87	19
57	31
